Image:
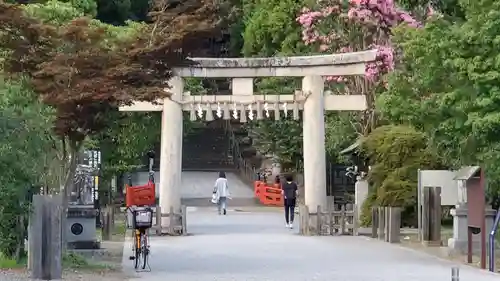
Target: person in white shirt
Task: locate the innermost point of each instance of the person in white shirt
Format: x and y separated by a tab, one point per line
221	192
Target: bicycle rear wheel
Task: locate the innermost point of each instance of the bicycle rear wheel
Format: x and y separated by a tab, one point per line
137	250
144	250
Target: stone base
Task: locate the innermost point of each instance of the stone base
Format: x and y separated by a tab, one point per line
458	243
309	225
84	245
432	243
92	254
460	247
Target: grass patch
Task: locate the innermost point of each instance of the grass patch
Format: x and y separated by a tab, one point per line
119	229
75	261
6	263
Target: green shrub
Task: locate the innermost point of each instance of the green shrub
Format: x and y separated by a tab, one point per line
395	154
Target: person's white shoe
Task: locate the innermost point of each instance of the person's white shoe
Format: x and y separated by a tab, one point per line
290	225
287	225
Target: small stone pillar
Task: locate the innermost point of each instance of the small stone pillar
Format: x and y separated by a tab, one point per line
458	243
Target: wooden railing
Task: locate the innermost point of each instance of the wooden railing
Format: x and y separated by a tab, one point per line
246	170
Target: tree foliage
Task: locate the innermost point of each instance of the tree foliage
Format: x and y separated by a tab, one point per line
73	69
446	87
281	140
26	158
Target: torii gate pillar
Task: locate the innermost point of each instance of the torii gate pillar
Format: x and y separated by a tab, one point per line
313	127
171	152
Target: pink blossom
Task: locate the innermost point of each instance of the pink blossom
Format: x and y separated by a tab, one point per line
367	16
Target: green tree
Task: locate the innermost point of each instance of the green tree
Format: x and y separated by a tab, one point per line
447	88
270	27
395	154
27	155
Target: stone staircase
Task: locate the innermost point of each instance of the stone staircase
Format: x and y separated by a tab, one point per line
206	149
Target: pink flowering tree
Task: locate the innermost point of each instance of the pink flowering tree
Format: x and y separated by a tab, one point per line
340	26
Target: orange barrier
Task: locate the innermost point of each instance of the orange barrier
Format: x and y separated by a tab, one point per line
143	195
257	188
268	195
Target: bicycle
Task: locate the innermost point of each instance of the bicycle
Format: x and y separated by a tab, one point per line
142	221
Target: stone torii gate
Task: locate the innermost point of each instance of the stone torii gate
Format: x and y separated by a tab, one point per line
244	103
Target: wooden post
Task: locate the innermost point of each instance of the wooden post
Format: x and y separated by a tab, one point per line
46	238
374	222
394	225
112	216
355	217
318	220
301	219
331	222
106	227
426	197
342	220
35	237
387	223
435	216
53	238
431	216
381	223
158	220
184	219
304	216
171	221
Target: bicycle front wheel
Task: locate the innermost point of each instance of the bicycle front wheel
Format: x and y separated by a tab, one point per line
144	250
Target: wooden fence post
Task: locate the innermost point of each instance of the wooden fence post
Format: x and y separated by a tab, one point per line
45	238
305	220
53	238
106	227
184	219
431	216
394	223
35	237
426	194
381	223
171	221
318	221
435	215
342	220
387	223
331	220
158	220
374	222
355	220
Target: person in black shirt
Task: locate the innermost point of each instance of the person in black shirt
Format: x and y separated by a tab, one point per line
289	192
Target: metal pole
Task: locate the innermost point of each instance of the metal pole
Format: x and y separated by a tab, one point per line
419	206
492	242
455	274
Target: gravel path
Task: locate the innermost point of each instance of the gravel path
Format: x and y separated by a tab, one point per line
256	246
23	275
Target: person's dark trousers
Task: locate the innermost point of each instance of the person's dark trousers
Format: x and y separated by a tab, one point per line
289	209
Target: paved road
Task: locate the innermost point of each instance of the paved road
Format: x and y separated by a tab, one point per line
197	189
256	246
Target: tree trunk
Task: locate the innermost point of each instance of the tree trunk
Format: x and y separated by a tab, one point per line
68	184
22	235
